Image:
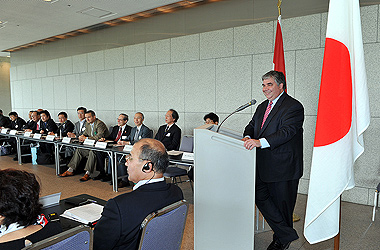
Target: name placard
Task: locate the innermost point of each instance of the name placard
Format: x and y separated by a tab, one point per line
89	142
188	156
50	137
100	144
127	148
4	130
37	136
66	139
13	132
27	134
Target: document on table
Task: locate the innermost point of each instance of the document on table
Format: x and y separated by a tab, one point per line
85	214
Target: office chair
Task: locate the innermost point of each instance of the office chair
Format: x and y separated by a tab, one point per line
187	145
163	230
78	238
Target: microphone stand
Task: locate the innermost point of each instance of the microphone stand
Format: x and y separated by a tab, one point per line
237	110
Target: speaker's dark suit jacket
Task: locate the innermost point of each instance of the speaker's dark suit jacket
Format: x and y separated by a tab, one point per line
18	124
119	226
283	160
64	128
171	139
49	126
144	132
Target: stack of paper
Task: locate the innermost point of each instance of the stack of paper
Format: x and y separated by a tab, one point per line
85	214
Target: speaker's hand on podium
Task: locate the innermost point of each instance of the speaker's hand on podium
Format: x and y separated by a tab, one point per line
252	143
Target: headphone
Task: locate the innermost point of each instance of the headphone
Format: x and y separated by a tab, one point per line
146	167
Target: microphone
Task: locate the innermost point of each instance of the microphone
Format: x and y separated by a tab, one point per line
250	103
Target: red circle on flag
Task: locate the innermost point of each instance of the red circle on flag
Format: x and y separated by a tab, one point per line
335	97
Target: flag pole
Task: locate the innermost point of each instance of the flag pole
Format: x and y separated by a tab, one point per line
337	237
279	7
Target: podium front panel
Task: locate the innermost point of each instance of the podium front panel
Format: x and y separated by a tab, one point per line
224	192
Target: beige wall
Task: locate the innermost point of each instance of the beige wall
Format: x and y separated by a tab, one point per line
5	90
213	71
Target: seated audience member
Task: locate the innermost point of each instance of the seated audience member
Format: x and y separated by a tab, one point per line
79	129
21	221
48	126
211	118
119	132
35	125
119	226
170	134
80	125
30	119
95	129
65	126
137	133
17	123
5	122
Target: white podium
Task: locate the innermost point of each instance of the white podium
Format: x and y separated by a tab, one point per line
224	190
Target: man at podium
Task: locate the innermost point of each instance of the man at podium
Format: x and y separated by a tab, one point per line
276	131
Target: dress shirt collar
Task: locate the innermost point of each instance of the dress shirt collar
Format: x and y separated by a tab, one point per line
275	100
122	128
169	126
143	182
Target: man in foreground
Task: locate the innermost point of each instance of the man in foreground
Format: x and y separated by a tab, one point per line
119	226
277	134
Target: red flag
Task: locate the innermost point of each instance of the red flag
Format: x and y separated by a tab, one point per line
278	57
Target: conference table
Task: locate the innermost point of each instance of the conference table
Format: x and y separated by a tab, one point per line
114	151
67	204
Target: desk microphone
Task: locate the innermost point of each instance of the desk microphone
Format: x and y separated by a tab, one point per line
250	103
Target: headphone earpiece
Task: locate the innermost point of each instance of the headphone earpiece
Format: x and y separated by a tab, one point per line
146	167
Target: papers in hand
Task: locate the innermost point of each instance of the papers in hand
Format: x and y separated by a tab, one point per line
85	214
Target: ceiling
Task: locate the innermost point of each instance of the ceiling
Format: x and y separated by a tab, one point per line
28	21
32	20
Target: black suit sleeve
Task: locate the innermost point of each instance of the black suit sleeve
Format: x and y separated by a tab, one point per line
113	134
108	230
51	127
69	127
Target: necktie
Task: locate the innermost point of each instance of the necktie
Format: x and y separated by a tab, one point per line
136	135
166	129
92	130
266	113
38	126
118	135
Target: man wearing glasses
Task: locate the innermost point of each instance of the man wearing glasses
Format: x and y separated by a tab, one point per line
119	226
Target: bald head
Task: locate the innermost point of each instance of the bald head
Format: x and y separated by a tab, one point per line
153	151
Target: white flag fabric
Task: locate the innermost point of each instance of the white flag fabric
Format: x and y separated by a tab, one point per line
343	115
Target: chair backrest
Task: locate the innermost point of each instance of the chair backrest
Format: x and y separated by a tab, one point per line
163	230
187	144
78	238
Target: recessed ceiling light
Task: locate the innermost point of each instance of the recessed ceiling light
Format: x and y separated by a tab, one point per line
96	12
50	1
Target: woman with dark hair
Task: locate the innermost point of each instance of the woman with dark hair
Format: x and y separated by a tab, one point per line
21	221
